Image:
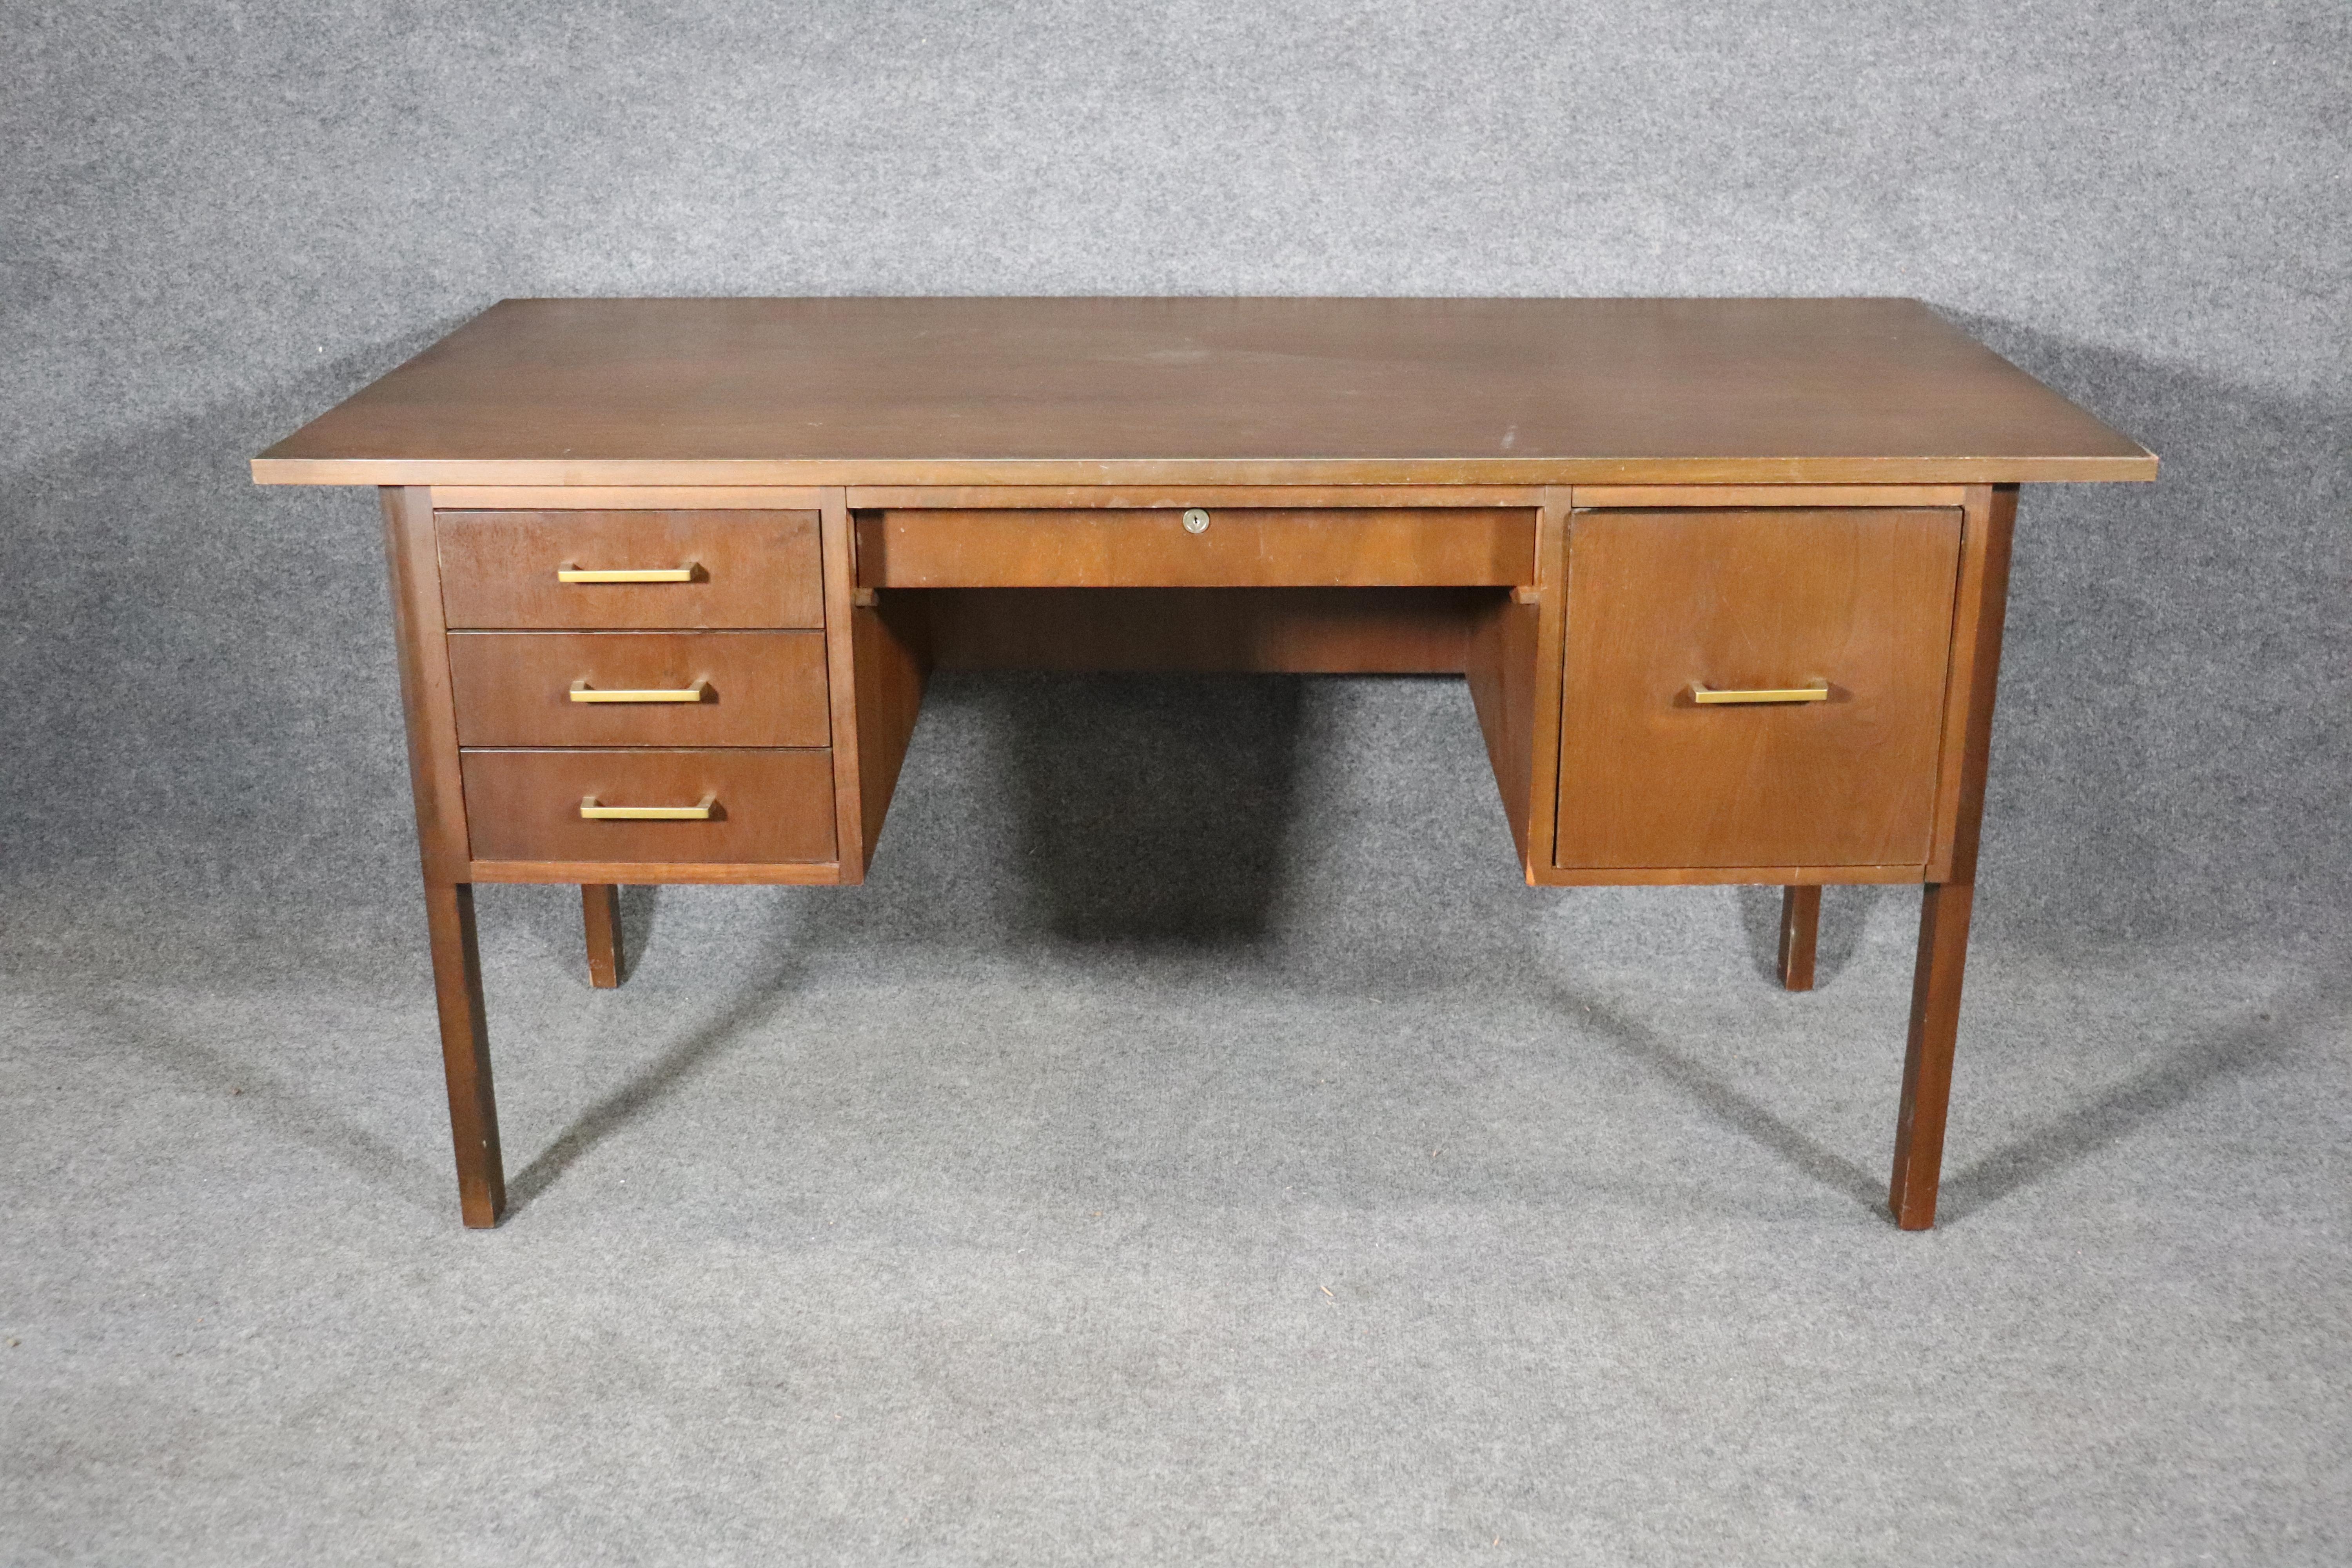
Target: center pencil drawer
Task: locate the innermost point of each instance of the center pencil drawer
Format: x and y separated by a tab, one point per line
639	688
1197	547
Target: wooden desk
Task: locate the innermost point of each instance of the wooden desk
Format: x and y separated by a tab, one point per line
1725	577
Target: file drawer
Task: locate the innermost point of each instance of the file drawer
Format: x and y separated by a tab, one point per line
1754	688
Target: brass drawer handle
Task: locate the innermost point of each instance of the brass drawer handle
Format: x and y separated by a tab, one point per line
1814	692
698	692
568	572
698	812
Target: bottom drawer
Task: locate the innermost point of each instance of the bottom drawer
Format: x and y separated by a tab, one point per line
763	806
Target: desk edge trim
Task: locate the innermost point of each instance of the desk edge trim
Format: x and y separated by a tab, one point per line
1550	471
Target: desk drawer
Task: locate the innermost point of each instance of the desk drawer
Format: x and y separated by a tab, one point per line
502	569
747	689
1236	547
1679	623
764	805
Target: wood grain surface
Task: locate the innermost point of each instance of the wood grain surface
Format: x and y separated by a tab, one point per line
1660	601
753	568
890	654
421	642
1360	631
1234	547
1981	614
1132	497
771	806
839	550
1290	390
759	689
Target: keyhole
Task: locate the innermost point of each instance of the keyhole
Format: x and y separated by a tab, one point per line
1196	521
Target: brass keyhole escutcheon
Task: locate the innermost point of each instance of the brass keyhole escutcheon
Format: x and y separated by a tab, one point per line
1196	521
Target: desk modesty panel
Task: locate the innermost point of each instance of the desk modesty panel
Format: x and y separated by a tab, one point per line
1724	578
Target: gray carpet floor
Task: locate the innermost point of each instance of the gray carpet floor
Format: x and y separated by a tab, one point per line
1071	1194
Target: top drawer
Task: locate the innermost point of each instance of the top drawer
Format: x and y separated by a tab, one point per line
702	569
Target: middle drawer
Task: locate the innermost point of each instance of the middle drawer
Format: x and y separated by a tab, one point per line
639	688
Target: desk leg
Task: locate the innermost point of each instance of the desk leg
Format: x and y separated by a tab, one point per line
466	1053
1982	600
600	910
1928	1061
1801	924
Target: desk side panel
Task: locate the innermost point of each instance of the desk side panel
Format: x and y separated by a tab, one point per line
890	663
1512	668
1501	671
839	554
1981	609
427	701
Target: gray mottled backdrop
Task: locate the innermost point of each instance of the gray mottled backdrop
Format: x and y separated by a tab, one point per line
1192	1144
221	218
